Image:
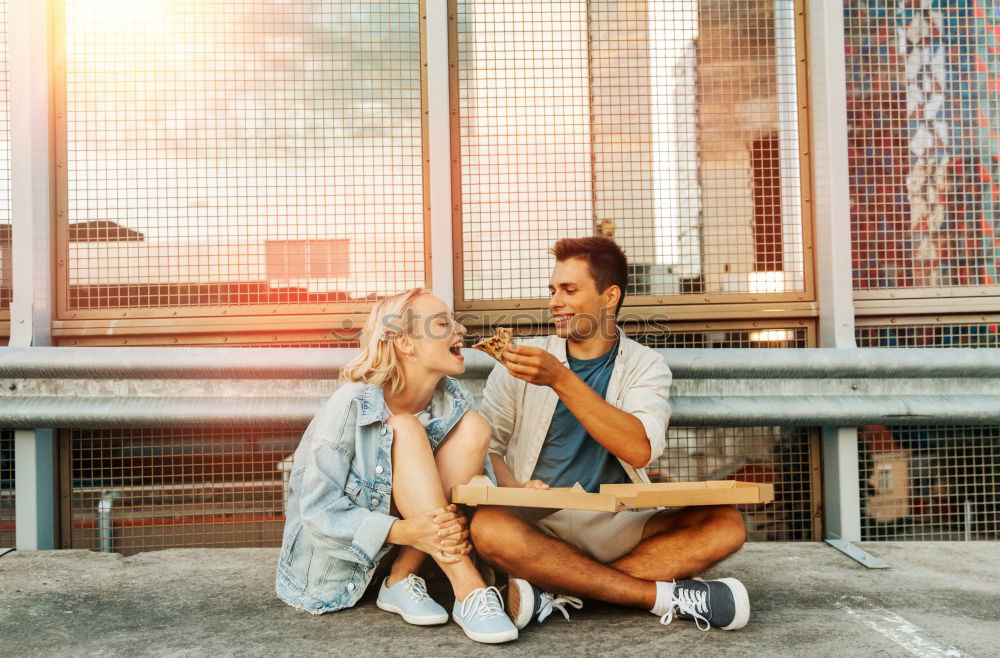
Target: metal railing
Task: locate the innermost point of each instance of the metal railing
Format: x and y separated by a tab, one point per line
206	387
42	388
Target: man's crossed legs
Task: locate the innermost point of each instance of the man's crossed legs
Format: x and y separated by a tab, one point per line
673	547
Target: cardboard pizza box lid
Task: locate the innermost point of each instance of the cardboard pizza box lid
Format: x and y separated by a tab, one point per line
616	497
478	492
685	494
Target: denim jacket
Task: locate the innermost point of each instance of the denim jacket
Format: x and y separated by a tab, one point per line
337	515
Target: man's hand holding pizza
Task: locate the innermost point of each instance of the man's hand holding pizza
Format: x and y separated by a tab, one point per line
534	365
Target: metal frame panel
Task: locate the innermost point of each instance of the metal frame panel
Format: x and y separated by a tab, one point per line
690	306
89	322
185	326
927	305
944	320
318	334
934	294
538	316
278	338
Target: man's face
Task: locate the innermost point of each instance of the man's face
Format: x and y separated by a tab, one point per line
577	307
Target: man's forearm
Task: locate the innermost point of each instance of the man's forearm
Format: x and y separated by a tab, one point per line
621	433
505	477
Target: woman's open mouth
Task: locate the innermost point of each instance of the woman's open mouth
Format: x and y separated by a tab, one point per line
456	350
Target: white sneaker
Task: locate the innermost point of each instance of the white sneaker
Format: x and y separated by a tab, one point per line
409	599
482	618
526	602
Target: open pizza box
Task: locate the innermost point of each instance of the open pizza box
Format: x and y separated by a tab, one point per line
616	497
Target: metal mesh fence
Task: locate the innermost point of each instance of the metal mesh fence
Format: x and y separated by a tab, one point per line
5	207
924	154
138	490
241	153
670	126
784	457
930	483
7	516
666	337
739	337
925	333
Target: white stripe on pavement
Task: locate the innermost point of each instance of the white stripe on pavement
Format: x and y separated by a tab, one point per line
904	633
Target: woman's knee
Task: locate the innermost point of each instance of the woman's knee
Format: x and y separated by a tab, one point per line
407	433
476	429
470	437
405	425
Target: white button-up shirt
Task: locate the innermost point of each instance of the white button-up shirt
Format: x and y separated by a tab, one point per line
520	413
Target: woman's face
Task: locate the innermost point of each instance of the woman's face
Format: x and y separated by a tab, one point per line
436	339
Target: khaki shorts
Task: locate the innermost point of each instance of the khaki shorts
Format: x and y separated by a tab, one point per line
604	536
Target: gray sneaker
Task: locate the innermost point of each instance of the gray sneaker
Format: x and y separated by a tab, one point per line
721	603
526	602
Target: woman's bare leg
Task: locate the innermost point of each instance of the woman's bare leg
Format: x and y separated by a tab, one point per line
458	458
417	488
463	452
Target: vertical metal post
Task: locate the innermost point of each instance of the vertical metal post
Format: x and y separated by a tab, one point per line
828	90
788	145
439	147
35	489
32	202
841	490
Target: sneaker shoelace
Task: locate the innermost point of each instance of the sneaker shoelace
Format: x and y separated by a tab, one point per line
550	602
689	602
482	604
417	588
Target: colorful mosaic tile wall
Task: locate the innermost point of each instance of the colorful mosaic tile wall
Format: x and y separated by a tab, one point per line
923	102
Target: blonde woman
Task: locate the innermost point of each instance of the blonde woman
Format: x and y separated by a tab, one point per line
374	469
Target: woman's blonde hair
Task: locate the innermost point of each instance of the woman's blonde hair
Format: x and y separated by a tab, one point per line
377	363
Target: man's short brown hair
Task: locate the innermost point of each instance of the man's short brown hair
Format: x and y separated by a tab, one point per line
605	260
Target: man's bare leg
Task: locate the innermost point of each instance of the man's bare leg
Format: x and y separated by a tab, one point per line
458	458
675	544
516	545
684	542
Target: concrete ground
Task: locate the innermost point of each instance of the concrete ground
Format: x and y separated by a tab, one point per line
938	599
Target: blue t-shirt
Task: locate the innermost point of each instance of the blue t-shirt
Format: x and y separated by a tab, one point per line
570	454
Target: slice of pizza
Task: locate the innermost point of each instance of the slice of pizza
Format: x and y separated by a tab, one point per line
496	344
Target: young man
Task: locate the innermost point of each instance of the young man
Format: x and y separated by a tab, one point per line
590	405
